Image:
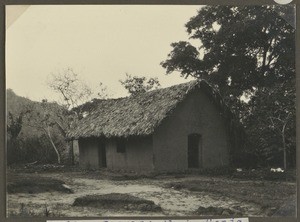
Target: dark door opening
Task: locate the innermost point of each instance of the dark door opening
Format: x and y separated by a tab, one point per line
102	155
194	151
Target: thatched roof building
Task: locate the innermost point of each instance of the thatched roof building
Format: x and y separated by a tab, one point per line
179	127
138	115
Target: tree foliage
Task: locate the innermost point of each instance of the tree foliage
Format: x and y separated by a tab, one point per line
26	143
135	85
51	120
70	88
15	125
73	92
242	48
271	124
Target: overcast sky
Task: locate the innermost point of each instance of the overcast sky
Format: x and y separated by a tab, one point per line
101	43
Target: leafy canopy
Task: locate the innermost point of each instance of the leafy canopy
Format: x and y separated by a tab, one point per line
135	85
242	48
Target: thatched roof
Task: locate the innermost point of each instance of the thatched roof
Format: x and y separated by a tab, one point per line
138	115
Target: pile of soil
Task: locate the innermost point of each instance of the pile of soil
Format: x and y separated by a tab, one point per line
36	185
117	201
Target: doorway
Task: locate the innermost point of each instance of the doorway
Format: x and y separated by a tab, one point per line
102	154
194	151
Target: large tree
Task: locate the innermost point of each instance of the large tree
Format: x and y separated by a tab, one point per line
242	48
247	52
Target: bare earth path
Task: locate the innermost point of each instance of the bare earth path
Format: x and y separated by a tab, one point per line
173	202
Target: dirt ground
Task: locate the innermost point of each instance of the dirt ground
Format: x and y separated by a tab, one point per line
171	193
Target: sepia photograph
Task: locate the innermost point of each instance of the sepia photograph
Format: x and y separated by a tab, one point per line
150	110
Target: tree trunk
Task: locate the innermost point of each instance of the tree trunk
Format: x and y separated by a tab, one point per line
284	152
284	144
54	147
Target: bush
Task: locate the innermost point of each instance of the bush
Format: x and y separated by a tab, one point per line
26	150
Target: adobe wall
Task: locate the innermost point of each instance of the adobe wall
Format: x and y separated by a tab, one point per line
137	157
75	152
88	153
196	114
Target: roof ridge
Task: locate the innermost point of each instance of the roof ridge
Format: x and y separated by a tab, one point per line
133	115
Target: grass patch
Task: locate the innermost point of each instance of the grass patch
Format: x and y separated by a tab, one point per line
226	172
117	201
265	174
35	184
40	168
26	211
269	195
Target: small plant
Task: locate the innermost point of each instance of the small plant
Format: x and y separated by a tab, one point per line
46	211
24	211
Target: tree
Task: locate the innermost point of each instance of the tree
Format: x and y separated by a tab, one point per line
26	143
271	121
41	116
242	48
17	109
73	93
71	89
136	85
15	125
246	51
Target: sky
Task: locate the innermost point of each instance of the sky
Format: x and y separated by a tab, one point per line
101	43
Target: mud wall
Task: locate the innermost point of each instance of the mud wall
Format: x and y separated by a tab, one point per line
196	114
88	153
138	155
